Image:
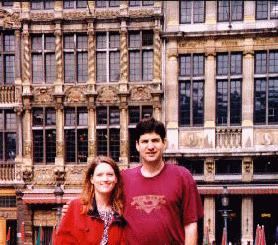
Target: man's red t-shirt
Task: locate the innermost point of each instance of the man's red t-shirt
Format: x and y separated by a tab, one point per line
158	208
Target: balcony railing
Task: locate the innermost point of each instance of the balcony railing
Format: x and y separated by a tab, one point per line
7	94
228	137
7	172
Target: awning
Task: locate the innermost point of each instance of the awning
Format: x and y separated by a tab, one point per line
240	190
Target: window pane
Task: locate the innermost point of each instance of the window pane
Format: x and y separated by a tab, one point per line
273	9
82	117
184	103
10	145
101	67
260	62
37	68
69	67
198	11
38	144
114	66
82	66
114	116
69	117
133	153
134	66
134	3
147	111
114	3
115	144
36	4
235	102
36	43
228	167
10	121
82	144
101	115
114	40
81	3
198	103
198	65
68	41
237	10
236	64
50	117
82	42
147	65
273	62
261	10
50	43
37	117
222	64
147	38
70	145
49	4
100	3
223	10
50	68
260	101
9	43
134	114
185	11
273	100
68	4
9	69
102	141
222	102
50	136
185	65
147	3
101	40
134	40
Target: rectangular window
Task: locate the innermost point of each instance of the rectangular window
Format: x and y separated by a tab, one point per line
76	135
228	88
42	4
266	87
266	10
7	58
108	132
141	56
192	12
8	135
44	135
76	58
140	3
107	4
135	114
226	167
108	50
191	90
229	10
7	3
43	59
74	4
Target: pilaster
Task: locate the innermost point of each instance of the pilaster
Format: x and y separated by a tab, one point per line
209	216
60	143
123	57
247	221
2	231
58	58
124	149
92	149
91	56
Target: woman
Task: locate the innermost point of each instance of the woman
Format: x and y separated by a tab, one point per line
96	217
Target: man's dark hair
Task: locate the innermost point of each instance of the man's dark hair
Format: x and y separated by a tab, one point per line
150	125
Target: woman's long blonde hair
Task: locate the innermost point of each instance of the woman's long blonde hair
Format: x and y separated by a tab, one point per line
88	192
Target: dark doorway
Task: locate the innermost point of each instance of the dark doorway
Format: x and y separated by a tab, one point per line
234	220
12	224
266	214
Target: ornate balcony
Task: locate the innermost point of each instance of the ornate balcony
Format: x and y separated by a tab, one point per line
228	137
7	172
7	94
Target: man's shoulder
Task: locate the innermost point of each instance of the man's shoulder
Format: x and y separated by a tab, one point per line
132	170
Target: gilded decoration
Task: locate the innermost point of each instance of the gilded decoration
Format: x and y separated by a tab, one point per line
42	16
107	14
8	214
59	148
9	20
44	175
75	95
192	44
43	95
266	137
77	15
136	13
27	174
140	93
191	139
44	218
265	41
107	94
75	175
27	149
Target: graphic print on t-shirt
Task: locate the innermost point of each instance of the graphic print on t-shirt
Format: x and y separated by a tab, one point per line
148	203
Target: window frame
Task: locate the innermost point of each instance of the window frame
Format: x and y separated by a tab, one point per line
192	21
230	13
107	3
268	11
75	5
43	5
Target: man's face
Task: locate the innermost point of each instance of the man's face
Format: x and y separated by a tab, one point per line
150	147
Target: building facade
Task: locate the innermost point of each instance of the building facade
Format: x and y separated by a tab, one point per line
76	77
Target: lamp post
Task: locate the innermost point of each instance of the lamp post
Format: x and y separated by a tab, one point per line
225	204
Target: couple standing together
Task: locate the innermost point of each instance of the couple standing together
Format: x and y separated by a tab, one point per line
152	204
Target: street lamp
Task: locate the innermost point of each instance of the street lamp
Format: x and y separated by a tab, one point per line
225	204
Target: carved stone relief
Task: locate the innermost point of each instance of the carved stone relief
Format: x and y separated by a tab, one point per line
59	148
9	20
44	175
8	214
44	218
75	175
266	137
140	93
75	15
140	13
43	95
27	149
192	139
75	95
107	94
42	16
107	14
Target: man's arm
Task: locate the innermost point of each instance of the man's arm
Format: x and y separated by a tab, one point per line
191	234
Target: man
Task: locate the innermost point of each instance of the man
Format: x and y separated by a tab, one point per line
162	204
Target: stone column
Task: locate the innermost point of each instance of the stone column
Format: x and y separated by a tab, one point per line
171	94
91	57
2	231
60	143
123	57
209	216
247	220
172	15
92	144
124	149
19	213
27	134
210	93
26	61
248	94
59	59
157	55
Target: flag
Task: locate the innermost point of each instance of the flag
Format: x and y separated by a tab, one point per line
8	238
39	236
206	238
22	232
224	237
258	235
263	241
53	235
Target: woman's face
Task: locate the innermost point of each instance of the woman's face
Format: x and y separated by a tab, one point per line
104	179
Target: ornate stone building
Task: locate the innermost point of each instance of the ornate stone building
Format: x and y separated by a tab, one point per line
221	108
76	77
